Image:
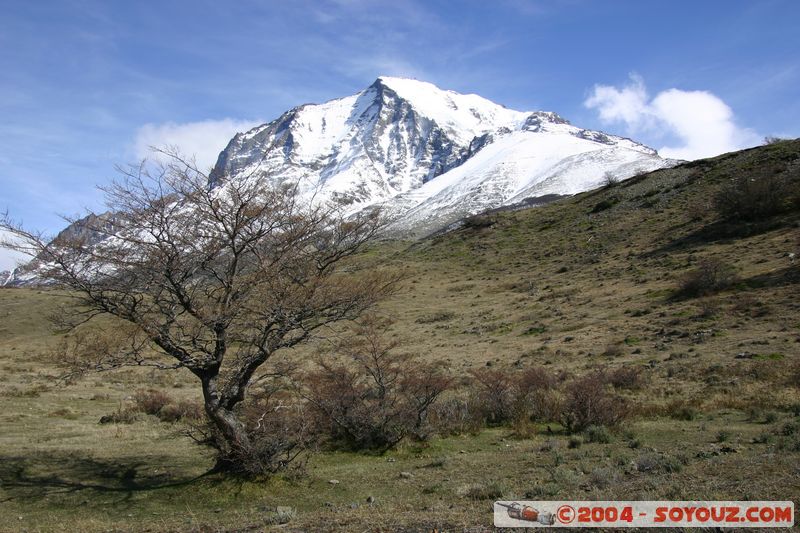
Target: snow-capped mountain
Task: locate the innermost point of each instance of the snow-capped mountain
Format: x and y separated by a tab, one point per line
429	156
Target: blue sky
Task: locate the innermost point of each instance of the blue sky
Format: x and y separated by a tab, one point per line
86	85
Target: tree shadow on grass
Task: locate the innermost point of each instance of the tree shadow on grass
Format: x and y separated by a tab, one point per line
776	278
39	475
720	231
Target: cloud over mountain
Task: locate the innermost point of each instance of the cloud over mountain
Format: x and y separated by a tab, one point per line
203	140
701	122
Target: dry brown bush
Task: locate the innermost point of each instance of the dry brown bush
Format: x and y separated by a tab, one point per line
367	396
457	414
123	415
512	396
542	401
182	410
627	377
710	276
151	401
614	349
498	394
588	402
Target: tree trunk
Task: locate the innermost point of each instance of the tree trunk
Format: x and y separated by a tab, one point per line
232	440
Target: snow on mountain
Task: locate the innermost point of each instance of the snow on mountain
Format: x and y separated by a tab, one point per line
518	165
390	138
430	156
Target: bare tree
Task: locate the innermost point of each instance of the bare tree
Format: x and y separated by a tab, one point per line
215	279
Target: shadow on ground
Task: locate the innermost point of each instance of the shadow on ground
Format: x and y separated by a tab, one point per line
777	278
40	475
717	232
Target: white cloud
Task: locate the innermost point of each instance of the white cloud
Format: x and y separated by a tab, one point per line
628	104
702	123
202	140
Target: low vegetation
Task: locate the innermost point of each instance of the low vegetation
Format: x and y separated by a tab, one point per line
711	276
638	351
755	196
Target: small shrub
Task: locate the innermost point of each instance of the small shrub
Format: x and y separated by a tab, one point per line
523	428
754	198
610	180
183	410
603	477
368	396
514	396
457	414
597	434
480	221
539	396
282	516
535	330
723	436
127	415
151	401
575	441
710	276
603	205
615	349
498	394
764	438
627	377
789	444
652	462
589	402
790	428
480	491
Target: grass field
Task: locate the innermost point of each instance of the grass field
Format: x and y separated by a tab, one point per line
587	282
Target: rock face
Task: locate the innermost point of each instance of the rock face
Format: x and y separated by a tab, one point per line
429	156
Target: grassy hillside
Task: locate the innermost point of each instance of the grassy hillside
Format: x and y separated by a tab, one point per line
586	282
593	280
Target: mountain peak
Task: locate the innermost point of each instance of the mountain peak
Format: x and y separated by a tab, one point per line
399	83
430	155
466	116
